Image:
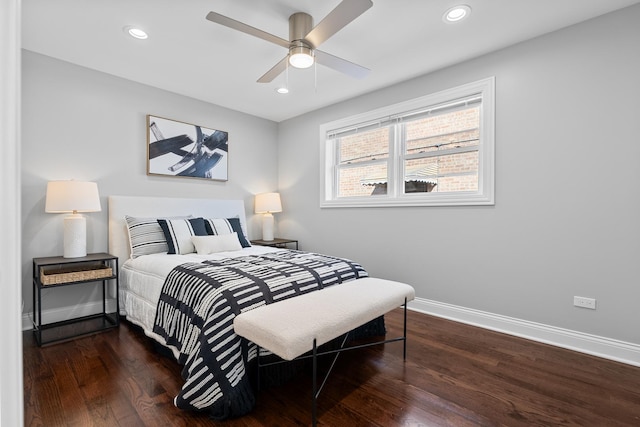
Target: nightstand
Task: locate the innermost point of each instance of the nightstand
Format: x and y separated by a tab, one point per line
56	272
276	243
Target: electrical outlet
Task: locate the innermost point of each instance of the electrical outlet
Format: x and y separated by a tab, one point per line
584	302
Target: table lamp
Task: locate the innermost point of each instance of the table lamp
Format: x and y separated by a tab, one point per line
267	204
73	197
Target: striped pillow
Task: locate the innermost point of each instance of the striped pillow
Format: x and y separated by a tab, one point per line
178	234
218	226
146	236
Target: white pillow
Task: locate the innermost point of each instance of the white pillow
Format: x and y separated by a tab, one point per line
220	243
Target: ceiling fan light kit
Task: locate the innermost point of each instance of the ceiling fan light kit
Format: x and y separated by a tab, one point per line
304	39
300	57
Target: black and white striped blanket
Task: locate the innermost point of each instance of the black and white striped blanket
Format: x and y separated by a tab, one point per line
199	302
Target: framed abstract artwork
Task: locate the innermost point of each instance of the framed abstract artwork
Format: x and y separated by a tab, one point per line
181	149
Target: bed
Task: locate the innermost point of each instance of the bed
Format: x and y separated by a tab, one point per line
186	301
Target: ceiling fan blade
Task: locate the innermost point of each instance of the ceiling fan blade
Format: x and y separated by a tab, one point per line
337	19
342	65
275	71
248	29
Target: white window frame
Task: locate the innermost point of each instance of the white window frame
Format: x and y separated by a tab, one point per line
395	196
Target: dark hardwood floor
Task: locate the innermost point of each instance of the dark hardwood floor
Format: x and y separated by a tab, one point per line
454	375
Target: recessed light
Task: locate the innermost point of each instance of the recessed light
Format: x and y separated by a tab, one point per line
456	13
282	90
135	32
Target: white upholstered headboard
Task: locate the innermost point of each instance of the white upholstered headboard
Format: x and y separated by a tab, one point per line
119	206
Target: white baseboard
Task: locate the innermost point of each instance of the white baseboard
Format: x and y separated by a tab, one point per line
594	345
67	313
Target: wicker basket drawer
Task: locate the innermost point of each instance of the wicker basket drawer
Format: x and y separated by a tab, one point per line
68	274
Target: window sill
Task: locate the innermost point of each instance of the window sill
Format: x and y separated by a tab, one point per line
457	199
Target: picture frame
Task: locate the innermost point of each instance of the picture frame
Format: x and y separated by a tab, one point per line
181	149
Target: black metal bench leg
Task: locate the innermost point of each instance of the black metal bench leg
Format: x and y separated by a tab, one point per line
259	369
314	396
404	343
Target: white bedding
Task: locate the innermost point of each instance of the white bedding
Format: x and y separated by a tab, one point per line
141	281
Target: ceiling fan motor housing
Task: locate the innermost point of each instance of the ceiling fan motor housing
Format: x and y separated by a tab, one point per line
300	51
300	24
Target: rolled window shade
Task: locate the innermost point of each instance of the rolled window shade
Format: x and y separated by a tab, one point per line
448	107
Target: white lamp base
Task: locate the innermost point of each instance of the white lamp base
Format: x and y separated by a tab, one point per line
75	236
267	226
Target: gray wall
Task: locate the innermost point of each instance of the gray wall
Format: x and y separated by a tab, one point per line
566	218
86	125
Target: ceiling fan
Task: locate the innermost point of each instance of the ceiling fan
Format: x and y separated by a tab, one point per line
305	38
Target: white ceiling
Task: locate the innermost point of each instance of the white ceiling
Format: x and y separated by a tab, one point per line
186	54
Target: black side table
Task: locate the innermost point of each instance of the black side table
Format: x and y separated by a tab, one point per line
55	272
276	243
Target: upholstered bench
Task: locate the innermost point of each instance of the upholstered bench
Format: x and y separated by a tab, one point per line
295	326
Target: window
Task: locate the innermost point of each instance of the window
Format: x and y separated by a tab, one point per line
436	150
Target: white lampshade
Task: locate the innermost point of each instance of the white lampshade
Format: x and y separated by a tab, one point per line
268	202
73	197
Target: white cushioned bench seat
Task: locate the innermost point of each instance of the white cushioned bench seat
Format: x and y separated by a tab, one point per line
288	328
